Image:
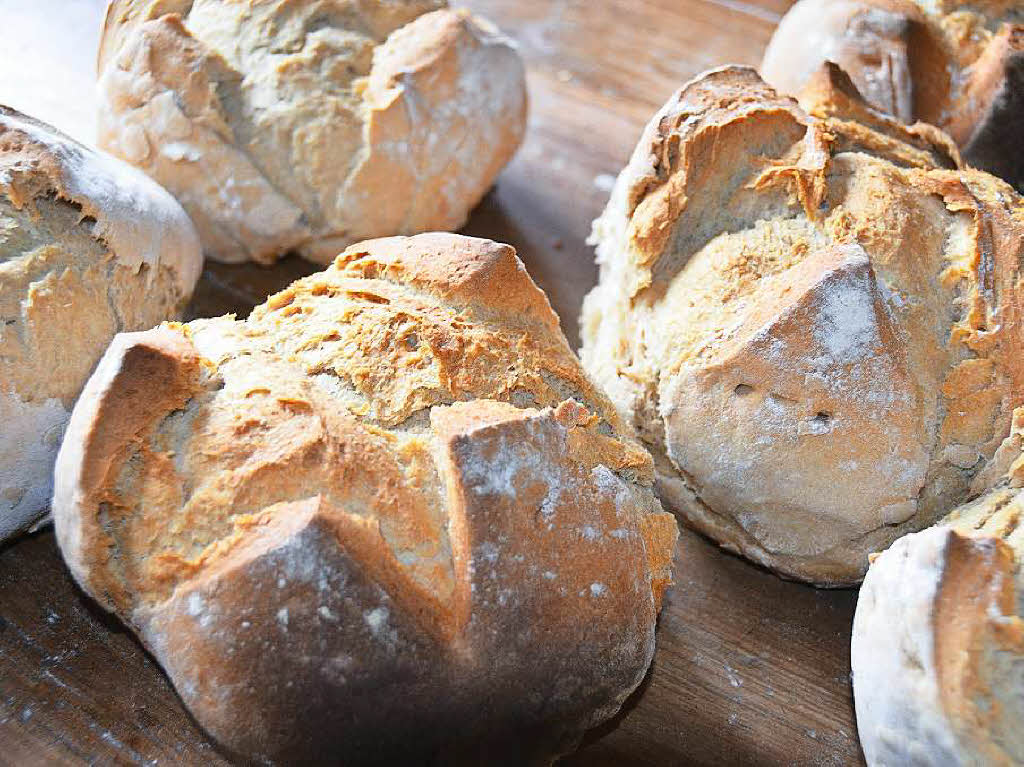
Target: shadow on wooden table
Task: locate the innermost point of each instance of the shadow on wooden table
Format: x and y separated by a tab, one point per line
749	670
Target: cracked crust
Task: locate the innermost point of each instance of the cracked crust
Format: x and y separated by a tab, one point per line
812	319
938	638
391	485
958	65
310	125
88	247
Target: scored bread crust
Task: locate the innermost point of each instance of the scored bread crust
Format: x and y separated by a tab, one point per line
90	247
938	638
310	125
958	65
811	318
386	517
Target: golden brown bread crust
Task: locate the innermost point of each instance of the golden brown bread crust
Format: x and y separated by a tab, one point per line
958	65
831	95
88	247
812	319
310	125
386	517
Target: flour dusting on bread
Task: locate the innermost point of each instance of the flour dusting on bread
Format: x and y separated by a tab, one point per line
88	247
391	485
810	316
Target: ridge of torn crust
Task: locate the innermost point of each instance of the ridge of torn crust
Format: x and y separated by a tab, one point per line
137	217
952	65
653	194
115	408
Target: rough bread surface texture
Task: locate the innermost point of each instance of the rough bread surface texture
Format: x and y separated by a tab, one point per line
938	638
953	63
310	124
812	319
89	247
387	517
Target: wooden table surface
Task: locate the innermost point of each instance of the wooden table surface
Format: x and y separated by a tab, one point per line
749	670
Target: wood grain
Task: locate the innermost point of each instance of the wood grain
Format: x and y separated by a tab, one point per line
750	670
75	687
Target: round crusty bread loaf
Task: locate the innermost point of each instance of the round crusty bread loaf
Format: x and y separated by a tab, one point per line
953	63
310	124
938	638
385	518
814	326
88	247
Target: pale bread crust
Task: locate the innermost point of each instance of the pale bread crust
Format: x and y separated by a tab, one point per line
364	120
90	247
811	318
958	65
934	613
938	638
386	517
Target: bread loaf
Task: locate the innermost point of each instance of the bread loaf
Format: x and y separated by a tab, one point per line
812	319
88	247
386	517
938	638
311	124
956	64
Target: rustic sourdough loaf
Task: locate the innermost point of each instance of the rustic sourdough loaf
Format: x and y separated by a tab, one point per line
955	64
938	638
88	247
387	517
310	124
812	319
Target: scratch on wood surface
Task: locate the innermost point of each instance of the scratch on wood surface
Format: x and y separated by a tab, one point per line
60	682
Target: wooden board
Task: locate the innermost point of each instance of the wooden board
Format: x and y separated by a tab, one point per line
749	670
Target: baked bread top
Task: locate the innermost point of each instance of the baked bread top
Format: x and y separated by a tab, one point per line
88	247
390	496
938	638
811	317
310	125
953	63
